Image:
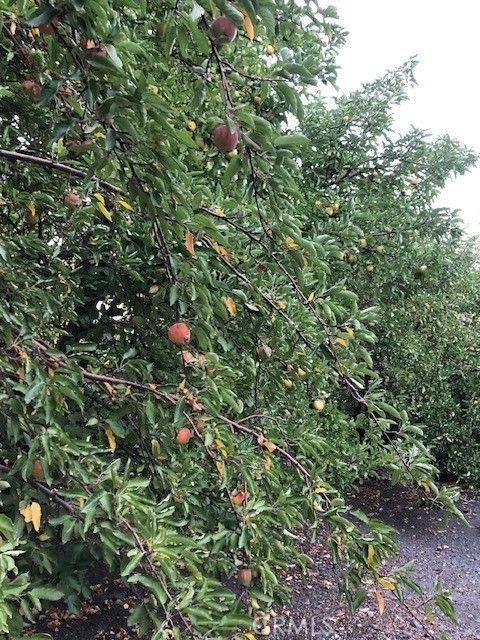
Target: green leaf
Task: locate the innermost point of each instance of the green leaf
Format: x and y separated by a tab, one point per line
46	593
34	391
292	141
45	13
152	584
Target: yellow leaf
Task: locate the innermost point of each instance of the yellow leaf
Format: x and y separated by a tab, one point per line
156	452
220	445
341	341
311	297
249	28
153	289
268	462
321	489
27	513
220	468
190	242
81	501
112	442
125	204
99	135
31	208
290	242
36	512
380	602
426	487
110	389
371	555
250	636
281	305
99	197
230	304
271	446
103	210
220	250
21	374
350	331
388	583
220	213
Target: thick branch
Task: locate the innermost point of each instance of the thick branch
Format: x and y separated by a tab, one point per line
18	156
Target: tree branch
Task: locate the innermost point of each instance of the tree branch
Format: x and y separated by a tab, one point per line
18	156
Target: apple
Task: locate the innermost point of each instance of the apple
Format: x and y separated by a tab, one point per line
32	88
183	436
238	498
37	470
318	404
264	351
179	333
223	30
224	139
72	200
245	577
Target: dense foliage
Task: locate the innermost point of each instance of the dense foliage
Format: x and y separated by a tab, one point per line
151	195
375	192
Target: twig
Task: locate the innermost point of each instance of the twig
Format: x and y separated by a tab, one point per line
51	493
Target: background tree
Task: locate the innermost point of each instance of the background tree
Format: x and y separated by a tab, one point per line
150	201
375	193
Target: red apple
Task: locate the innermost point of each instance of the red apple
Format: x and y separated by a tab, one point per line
72	200
223	30
179	333
183	436
224	139
32	88
245	577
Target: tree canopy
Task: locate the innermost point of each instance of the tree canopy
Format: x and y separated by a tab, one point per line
186	372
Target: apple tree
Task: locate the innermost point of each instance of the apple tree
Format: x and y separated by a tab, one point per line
375	192
179	357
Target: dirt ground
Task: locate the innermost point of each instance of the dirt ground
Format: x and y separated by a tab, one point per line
440	548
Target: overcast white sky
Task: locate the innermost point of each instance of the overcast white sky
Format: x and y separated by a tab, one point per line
445	36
